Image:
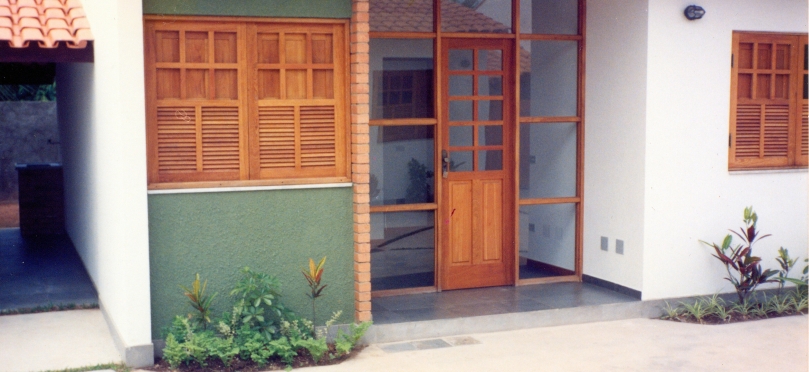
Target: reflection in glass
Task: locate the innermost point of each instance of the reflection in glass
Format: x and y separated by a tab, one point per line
460	136
387	15
547	240
490	16
490	135
490	110
460	59
401	78
402	250
402	164
549	17
490	85
460	85
490	160
460	161
460	110
490	60
547	160
550	86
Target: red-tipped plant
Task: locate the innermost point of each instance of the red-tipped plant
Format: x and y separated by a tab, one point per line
313	276
199	301
744	269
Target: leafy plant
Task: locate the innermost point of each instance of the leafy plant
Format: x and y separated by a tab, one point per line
744	308
419	190
716	306
672	312
258	304
345	342
313	277
199	301
744	270
778	305
786	264
699	310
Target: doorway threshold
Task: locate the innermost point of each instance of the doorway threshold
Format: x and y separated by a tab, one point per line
451	313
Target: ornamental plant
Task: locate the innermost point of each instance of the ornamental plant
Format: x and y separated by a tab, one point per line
199	301
744	269
313	277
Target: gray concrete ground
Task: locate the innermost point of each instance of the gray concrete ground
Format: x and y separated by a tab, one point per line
778	344
55	341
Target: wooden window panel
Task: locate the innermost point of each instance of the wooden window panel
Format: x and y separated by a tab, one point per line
767	110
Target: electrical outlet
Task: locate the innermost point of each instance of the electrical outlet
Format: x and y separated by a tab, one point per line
605	243
619	246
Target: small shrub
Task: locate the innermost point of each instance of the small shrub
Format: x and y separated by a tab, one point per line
744	308
672	312
345	342
199	301
699	310
778	304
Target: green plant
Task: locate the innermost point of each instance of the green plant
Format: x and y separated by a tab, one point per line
744	270
744	308
345	342
672	312
699	310
199	301
257	305
313	277
419	190
786	264
778	304
716	306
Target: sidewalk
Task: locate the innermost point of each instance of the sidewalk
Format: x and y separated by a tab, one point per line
55	341
778	344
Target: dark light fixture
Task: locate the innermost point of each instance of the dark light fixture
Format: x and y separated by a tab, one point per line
693	12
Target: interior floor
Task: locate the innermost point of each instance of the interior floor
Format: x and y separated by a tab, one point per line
41	271
490	301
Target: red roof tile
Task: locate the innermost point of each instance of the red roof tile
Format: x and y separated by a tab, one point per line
47	22
417	16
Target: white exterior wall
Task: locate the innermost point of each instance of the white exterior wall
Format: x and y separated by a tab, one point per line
689	193
615	139
102	126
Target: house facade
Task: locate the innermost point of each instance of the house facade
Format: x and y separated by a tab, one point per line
426	146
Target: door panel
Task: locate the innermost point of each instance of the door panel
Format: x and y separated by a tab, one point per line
477	206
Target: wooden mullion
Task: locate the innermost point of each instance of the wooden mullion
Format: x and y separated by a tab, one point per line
309	73
552	119
400	122
474	35
551	37
560	200
401	35
404	207
579	240
282	60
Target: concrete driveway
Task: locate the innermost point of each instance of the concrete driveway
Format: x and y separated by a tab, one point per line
778	344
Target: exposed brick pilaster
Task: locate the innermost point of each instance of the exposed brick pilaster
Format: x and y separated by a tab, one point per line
360	166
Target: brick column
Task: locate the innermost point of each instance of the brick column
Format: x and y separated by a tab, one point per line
360	167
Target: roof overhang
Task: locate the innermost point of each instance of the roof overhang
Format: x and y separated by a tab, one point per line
44	31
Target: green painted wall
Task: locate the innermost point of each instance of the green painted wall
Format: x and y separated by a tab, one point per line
216	234
251	8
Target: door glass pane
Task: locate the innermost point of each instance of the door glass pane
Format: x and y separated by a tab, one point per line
460	136
460	59
460	161
490	85
460	111
460	85
490	60
401	78
489	160
490	135
550	86
547	160
490	110
402	250
402	164
547	240
401	15
489	16
549	17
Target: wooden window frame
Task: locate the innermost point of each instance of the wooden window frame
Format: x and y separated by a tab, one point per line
321	155
781	115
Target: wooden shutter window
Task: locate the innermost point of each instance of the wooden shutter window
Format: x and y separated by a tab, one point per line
768	118
245	102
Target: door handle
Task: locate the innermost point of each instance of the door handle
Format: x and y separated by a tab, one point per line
445	163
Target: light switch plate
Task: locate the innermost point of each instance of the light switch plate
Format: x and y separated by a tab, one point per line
619	246
605	243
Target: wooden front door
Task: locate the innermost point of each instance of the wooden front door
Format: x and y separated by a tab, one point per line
477	203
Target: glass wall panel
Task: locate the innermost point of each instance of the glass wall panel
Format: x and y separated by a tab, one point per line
402	250
547	240
401	15
402	165
547	160
549	85
489	16
549	17
401	78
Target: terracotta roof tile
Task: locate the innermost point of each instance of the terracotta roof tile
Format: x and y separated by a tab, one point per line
47	22
417	16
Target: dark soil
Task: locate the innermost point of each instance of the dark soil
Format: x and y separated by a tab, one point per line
734	318
215	365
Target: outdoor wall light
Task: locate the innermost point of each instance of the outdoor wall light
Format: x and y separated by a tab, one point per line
693	12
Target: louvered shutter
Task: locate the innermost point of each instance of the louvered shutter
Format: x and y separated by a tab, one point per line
299	129
766	127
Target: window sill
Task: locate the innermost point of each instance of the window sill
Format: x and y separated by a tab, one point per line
238	186
768	170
